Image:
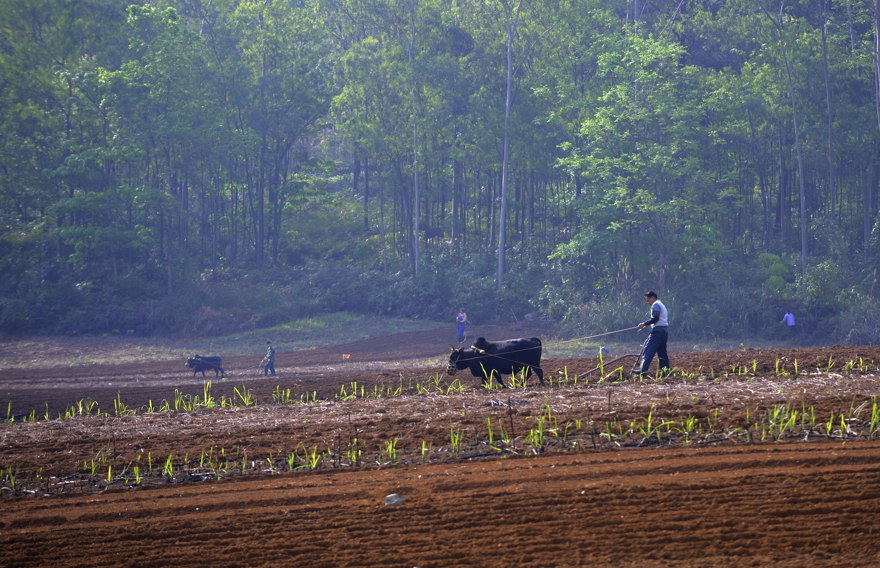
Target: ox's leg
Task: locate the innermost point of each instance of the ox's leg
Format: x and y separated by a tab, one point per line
500	382
527	372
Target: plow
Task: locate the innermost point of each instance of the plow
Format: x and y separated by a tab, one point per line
256	368
603	366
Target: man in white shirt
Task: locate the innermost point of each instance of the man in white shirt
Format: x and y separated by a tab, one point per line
656	342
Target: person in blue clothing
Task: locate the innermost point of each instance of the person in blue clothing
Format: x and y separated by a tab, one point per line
788	320
460	322
656	342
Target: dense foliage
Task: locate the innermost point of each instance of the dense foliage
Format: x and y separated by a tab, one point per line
212	166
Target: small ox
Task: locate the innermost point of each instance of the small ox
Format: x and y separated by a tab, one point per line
495	358
198	363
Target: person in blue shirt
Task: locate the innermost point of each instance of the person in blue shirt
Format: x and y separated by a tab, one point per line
788	320
656	342
460	322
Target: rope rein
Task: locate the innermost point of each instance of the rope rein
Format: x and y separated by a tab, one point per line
597	335
559	342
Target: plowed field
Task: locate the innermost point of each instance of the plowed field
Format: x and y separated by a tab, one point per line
750	457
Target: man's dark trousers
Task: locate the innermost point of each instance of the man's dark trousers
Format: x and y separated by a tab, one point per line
656	345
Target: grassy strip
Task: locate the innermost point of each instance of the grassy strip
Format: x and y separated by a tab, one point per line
304	333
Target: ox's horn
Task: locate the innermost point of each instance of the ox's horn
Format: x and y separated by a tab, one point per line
478	350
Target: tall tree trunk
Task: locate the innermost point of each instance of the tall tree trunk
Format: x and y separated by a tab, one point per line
260	209
456	203
778	22
415	142
382	236
877	60
783	213
366	192
867	210
355	181
511	32
832	174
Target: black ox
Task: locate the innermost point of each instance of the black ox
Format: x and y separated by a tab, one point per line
488	359
199	363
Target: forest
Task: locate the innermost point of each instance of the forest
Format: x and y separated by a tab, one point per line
211	166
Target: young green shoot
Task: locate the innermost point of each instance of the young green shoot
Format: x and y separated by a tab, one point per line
455	438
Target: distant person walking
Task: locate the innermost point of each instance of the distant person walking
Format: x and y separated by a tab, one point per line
656	342
269	360
788	320
460	323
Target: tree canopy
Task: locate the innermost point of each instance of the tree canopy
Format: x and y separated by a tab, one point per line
172	165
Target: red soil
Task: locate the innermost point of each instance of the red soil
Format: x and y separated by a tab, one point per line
607	485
